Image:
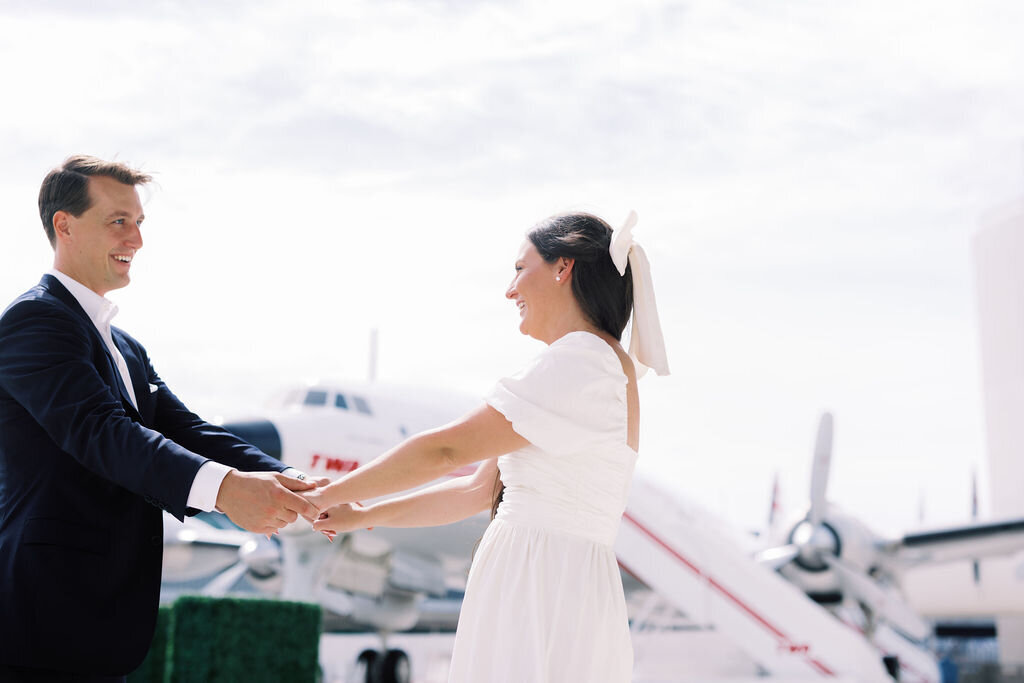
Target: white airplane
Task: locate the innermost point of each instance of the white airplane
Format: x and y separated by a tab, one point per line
789	610
908	583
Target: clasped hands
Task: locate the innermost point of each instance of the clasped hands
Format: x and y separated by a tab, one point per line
336	518
265	502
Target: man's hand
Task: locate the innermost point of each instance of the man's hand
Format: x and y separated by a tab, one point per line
317	481
263	502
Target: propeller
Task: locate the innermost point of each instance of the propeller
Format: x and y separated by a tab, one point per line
820	469
195	550
258	555
808	540
778	556
223	582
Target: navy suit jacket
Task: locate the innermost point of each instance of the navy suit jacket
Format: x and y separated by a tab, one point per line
83	477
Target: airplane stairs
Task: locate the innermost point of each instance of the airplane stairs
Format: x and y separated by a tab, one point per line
680	554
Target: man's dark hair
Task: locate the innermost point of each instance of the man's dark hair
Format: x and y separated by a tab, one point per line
66	188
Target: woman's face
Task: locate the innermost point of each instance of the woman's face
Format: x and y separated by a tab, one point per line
534	290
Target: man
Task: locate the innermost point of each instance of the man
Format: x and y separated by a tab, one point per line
93	445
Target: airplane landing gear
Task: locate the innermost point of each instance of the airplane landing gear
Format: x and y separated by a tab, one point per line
389	666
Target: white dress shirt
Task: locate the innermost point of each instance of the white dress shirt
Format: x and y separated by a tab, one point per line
206	484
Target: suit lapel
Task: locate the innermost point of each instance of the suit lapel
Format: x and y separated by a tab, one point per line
54	287
137	372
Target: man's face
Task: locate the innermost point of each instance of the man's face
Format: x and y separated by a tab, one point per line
97	247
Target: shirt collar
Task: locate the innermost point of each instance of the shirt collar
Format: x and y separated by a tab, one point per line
100	310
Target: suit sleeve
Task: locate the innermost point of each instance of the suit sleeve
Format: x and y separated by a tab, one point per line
175	421
45	367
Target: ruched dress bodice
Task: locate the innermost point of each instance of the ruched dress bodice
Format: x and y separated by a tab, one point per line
582	494
544	599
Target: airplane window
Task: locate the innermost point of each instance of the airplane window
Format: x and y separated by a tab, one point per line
340	402
361	405
316	397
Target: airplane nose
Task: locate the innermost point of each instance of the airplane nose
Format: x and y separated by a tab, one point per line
260	433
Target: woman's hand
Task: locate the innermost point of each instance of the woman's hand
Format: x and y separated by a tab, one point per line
318	498
340	519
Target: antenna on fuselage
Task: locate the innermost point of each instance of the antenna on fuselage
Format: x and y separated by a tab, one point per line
372	370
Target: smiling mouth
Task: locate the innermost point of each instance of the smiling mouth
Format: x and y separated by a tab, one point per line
120	258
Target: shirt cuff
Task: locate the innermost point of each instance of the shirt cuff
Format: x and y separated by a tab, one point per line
206	485
293	473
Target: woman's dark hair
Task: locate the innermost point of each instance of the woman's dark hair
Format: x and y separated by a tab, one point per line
605	297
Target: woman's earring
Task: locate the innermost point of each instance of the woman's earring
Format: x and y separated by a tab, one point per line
558	278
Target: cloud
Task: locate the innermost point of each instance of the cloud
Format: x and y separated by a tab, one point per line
807	177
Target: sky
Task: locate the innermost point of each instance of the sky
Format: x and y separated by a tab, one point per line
808	178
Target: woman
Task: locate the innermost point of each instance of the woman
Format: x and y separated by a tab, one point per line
558	442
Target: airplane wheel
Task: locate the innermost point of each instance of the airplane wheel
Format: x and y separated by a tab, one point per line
366	667
395	668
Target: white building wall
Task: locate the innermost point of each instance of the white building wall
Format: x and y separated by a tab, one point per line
999	274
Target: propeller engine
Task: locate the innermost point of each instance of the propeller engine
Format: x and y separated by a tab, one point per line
197	550
836	559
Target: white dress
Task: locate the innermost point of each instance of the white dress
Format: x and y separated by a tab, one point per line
544	601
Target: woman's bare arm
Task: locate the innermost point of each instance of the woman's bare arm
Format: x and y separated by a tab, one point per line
482	434
443	503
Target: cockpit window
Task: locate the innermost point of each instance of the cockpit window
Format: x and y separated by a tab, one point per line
315	397
340	402
361	405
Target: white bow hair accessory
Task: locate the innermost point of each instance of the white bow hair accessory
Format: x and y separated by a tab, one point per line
646	343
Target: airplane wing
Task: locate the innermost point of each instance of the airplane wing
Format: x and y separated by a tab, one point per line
966	542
